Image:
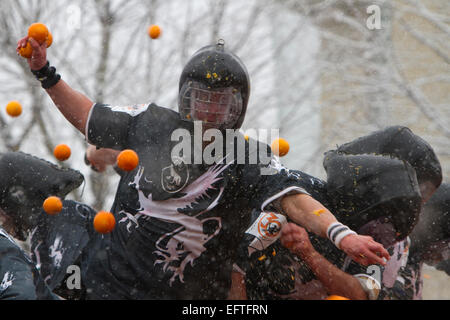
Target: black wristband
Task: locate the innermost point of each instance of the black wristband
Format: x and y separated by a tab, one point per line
47	76
41	72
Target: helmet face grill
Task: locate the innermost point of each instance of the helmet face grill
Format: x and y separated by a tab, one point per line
217	108
225	82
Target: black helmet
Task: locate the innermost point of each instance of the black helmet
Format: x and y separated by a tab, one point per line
402	143
26	182
215	70
367	187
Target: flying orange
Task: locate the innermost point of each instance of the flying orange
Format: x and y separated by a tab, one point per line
154	31
280	147
52	205
104	222
127	160
14	108
62	152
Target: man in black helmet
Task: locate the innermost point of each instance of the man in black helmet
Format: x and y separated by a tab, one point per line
220	101
179	222
376	184
26	182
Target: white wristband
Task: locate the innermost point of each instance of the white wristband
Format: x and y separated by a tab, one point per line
332	228
342	235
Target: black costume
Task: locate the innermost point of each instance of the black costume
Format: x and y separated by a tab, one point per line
373	177
272	272
170	242
19	277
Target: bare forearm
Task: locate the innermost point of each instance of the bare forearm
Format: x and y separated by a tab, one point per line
308	213
333	279
238	289
312	215
73	105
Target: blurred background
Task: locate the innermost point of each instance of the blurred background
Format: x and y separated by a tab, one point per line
323	72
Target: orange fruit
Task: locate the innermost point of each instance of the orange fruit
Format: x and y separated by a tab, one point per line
154	31
49	39
39	32
52	205
335	297
127	160
26	51
14	108
62	152
280	147
104	222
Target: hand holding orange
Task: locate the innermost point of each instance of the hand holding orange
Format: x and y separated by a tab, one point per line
26	51
39	32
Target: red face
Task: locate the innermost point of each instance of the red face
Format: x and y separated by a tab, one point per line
211	111
213	107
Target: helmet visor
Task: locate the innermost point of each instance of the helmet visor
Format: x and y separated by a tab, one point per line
217	108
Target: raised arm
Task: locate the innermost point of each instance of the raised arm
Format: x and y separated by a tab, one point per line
312	215
73	105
